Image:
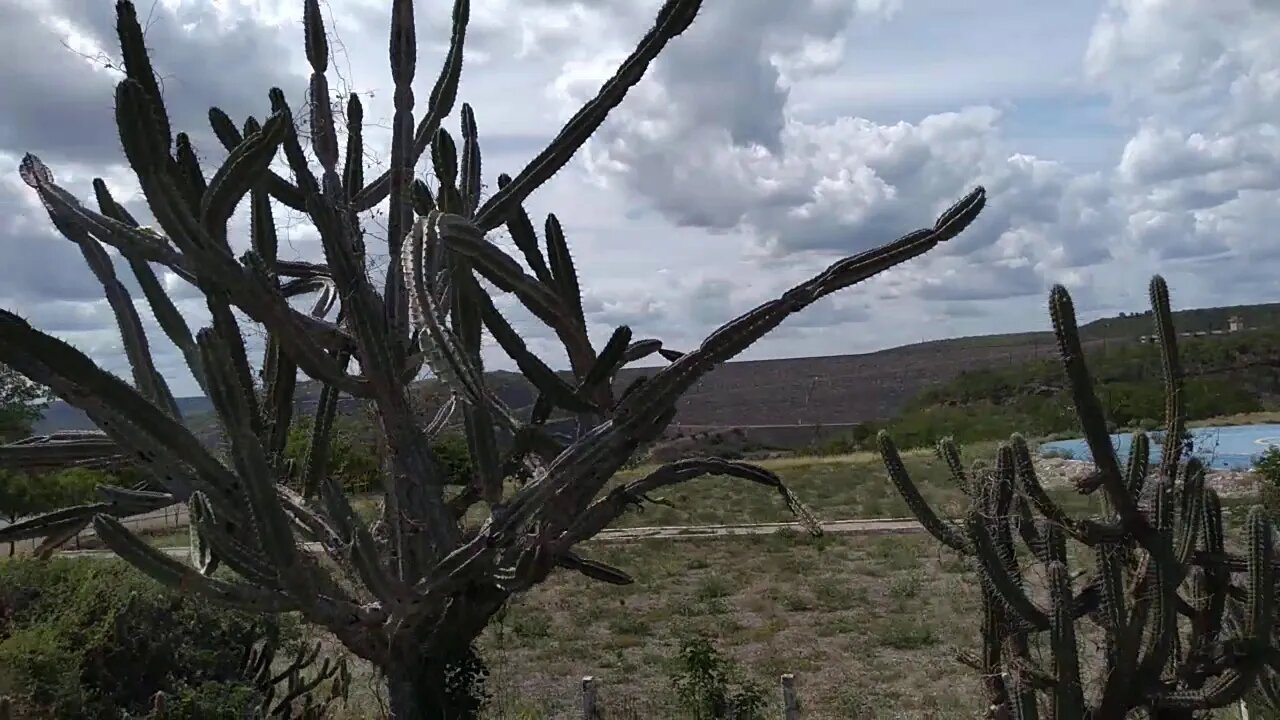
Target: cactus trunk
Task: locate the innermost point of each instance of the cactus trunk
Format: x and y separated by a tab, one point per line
415	687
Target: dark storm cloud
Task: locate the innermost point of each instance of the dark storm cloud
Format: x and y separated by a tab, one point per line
60	106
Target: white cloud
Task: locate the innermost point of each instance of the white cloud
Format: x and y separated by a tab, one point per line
1116	139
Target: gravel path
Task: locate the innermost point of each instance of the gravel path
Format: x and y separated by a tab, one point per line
1053	472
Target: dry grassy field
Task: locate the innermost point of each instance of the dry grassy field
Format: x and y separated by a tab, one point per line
869	625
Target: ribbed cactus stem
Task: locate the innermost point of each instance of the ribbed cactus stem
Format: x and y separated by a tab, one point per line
1068	697
945	532
1149	567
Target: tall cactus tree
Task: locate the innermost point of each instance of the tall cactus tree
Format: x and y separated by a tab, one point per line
415	588
1180	635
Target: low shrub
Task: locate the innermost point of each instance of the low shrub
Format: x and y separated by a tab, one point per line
97	639
1267	466
711	686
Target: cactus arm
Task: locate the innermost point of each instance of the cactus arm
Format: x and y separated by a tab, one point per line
179	576
613	504
1088	410
444	159
1262	578
358	543
316	461
237	175
478	419
1068	696
281	377
155	439
134	339
135	500
53	522
563	272
526	238
471	168
546	380
1139	463
642	414
1114	616
593	569
1191	510
947	533
166	313
92	449
279	370
1167	576
282	190
1086	530
403	51
444	353
738	334
353	159
1175	416
465	238
613	355
443	95
130	240
949	453
674	17
993	568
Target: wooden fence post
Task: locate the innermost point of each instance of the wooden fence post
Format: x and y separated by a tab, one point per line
589	711
790	704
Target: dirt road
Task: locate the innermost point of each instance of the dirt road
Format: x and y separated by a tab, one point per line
879	526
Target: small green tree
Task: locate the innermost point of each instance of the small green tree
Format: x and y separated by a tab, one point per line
455	459
711	686
23	494
1267	467
22	403
353	461
100	639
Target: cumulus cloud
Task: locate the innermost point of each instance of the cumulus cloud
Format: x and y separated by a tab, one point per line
1115	139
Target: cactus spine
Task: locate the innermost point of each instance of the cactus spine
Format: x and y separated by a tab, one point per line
1180	635
415	588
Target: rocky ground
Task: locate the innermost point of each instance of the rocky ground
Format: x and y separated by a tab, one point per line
1228	483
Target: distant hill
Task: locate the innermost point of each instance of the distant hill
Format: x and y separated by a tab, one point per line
836	391
61	416
1223	375
1265	316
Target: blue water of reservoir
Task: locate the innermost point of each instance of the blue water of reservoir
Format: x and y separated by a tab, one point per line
1226	448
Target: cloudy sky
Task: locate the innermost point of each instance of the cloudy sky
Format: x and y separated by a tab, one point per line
1116	139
